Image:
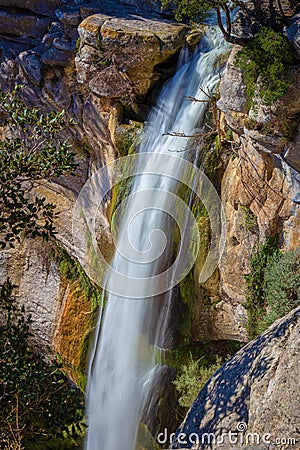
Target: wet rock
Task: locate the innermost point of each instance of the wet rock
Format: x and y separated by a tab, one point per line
64	46
23	24
293	33
257	391
55	31
150	5
292	152
31	261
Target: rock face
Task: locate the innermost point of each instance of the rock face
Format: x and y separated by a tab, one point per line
254	396
33	260
260	193
99	62
124	53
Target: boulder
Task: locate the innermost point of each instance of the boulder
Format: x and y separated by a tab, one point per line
150	5
253	399
128	49
69	16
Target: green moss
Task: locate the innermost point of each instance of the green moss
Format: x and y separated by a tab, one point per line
77	45
72	271
249	220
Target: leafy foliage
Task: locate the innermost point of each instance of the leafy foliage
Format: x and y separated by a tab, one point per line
39	406
266	58
193	10
255	301
249	220
256	13
273	286
30	152
192	378
282	285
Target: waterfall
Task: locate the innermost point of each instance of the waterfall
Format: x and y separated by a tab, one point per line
121	370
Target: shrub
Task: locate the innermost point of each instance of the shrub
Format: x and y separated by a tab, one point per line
192	10
31	151
266	58
192	378
40	407
255	280
282	283
273	287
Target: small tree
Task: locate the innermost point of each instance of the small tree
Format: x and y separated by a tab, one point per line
40	408
30	151
192	377
257	13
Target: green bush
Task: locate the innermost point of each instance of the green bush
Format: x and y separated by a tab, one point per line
192	377
192	10
255	281
40	407
282	283
273	286
31	151
267	57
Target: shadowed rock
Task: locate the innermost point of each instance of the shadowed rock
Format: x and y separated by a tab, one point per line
257	390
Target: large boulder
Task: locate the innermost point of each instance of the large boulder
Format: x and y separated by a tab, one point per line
253	399
119	56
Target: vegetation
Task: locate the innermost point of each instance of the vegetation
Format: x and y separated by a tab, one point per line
264	63
40	408
192	377
282	285
273	286
257	14
255	303
31	151
249	220
72	271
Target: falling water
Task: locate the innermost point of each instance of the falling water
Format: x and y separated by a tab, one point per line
120	373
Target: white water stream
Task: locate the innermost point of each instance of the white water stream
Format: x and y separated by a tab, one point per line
121	370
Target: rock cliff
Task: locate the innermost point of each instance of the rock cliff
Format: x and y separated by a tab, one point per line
105	65
252	401
102	63
259	189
